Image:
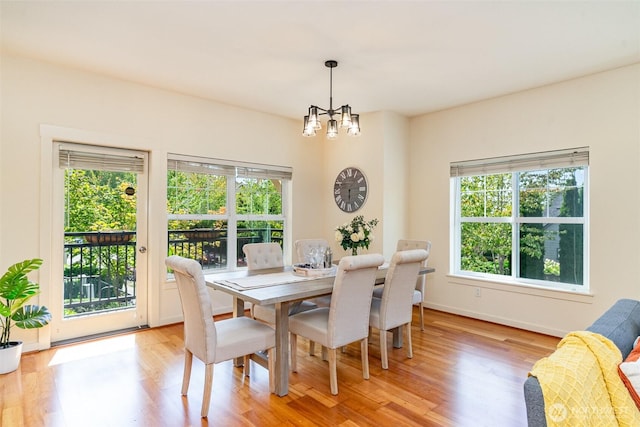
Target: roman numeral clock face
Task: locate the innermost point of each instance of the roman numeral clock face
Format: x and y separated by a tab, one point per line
350	189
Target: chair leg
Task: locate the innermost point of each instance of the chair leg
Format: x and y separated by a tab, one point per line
364	349
186	376
271	363
246	368
333	371
421	316
312	348
409	348
208	383
383	349
293	340
324	353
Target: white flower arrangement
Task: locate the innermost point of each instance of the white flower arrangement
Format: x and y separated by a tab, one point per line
356	234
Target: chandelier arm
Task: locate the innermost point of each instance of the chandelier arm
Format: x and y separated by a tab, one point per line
324	110
348	119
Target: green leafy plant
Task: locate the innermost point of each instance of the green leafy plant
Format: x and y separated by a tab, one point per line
15	291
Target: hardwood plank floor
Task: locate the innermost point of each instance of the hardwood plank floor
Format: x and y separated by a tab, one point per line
464	372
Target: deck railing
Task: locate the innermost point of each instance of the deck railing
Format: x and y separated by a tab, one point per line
100	267
99	271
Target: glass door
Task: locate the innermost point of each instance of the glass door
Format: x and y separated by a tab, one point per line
102	287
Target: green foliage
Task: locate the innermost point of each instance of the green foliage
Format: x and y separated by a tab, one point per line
96	200
196	193
258	196
486	240
15	291
551	267
486	248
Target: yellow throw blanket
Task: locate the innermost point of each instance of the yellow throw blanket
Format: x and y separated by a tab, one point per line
581	385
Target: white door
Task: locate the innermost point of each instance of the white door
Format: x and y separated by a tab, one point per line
100	281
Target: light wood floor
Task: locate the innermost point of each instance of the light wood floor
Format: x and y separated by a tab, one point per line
464	372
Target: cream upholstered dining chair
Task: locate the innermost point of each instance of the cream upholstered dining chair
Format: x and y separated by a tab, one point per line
421	281
394	308
346	320
304	246
215	341
261	256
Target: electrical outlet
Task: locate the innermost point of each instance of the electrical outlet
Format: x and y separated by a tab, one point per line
478	292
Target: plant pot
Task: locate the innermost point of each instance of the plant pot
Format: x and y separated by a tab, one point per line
201	233
108	237
10	357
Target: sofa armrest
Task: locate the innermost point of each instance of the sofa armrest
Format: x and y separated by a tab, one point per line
621	324
535	403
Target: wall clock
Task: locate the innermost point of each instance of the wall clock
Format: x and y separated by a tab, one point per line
350	189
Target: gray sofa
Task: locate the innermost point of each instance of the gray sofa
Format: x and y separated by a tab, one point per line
620	323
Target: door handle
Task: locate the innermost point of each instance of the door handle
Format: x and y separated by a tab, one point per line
142	249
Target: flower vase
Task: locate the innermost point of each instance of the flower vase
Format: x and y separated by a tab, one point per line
354	251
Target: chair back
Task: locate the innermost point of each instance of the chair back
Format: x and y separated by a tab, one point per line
303	247
405	245
199	327
397	295
263	255
351	299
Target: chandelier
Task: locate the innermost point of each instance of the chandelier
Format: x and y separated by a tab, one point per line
347	120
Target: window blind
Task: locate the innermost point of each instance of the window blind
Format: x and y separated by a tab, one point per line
199	167
573	157
225	167
79	156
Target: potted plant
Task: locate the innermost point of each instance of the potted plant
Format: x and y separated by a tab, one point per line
15	291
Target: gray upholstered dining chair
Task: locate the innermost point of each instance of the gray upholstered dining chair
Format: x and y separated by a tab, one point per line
394	308
346	320
261	256
215	341
421	281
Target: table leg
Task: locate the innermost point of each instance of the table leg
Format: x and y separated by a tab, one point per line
397	337
238	311
282	349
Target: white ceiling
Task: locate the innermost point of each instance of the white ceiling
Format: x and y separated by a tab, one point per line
410	57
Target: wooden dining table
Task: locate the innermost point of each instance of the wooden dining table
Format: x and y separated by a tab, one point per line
281	287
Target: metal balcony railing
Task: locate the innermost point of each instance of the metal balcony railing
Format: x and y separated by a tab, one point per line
100	267
99	271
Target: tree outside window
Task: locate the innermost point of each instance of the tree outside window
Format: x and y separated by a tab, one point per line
528	225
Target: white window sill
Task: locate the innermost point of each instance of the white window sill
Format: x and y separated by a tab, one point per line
521	288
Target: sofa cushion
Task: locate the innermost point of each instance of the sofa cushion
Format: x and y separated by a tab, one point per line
629	372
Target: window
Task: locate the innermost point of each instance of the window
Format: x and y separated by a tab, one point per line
522	218
214	207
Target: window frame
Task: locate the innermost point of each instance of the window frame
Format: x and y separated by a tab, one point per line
234	170
514	165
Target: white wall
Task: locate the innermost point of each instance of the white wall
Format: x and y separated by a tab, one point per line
381	152
406	163
367	153
158	121
602	112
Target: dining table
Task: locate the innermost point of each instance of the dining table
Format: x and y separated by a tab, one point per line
282	287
